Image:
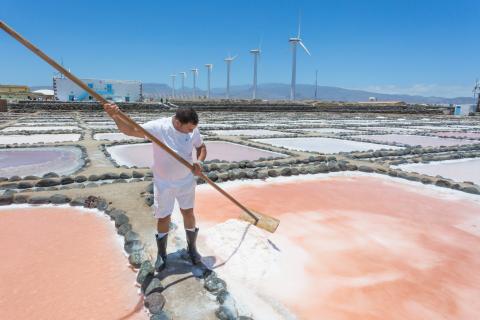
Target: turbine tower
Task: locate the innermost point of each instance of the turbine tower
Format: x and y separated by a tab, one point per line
255	53
184	75
173	85
476	95
294	41
195	74
209	71
229	60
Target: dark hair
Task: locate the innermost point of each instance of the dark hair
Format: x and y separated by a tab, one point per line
186	115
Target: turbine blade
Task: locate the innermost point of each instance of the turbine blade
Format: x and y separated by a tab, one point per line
299	23
233	58
305	48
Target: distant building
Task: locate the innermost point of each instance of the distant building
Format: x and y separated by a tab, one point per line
47	94
17	93
113	90
464	109
372	99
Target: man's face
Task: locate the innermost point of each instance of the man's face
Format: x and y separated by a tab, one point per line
185	127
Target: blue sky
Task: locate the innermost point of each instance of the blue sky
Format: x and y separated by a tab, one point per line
394	46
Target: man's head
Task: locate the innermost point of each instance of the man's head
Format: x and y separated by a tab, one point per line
185	120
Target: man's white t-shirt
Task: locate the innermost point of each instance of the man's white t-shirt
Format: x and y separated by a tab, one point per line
167	171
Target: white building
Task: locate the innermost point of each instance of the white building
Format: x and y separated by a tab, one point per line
114	90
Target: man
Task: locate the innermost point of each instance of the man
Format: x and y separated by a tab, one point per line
172	180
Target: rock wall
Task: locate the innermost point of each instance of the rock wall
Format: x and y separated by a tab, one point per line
33	106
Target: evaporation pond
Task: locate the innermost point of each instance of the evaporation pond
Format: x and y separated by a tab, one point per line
324	145
349	246
38	138
414	140
64	263
458	170
40	128
38	161
114	136
141	155
249	132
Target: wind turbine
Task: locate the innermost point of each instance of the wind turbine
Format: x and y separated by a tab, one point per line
476	95
184	75
173	76
256	54
209	71
195	74
229	60
294	41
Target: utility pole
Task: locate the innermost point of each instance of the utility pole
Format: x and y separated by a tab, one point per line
316	83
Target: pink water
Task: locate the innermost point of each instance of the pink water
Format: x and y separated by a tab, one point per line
141	155
359	248
413	140
38	161
64	263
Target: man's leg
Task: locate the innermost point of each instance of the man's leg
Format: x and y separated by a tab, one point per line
186	200
191	232
188	218
164	200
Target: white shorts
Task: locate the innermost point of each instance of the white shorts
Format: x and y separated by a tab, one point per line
164	198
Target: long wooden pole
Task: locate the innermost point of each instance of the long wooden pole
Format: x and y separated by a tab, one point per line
102	100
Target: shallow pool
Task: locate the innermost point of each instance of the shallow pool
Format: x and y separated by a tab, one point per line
40	128
414	140
38	138
324	145
249	132
141	155
349	246
38	161
458	170
64	263
114	136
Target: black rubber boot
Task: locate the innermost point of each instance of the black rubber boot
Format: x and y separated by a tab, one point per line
162	253
192	246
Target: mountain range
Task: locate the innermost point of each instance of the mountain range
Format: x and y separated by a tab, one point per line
280	91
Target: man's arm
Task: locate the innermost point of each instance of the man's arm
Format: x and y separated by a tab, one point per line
123	126
202	152
201	155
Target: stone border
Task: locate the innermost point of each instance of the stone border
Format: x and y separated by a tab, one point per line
412	151
52	181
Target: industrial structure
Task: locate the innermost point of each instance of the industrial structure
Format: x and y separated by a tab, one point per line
228	61
256	53
209	67
194	77
114	90
294	41
18	93
476	95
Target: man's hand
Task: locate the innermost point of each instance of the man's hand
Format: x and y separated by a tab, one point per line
197	169
112	109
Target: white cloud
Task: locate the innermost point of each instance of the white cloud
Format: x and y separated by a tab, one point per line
447	91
